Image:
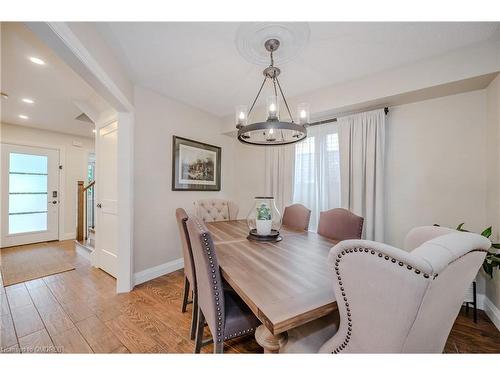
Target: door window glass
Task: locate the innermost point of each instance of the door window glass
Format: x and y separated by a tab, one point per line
27	193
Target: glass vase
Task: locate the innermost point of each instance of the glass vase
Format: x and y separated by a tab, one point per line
264	219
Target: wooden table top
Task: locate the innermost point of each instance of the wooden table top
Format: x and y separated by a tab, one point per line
287	283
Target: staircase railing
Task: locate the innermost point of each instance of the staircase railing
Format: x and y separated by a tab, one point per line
85	210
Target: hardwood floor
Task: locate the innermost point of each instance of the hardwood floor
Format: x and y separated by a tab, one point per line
79	312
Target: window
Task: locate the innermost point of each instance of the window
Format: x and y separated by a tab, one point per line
27	193
317	171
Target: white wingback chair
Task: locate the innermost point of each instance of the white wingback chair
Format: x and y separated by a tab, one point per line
394	301
216	210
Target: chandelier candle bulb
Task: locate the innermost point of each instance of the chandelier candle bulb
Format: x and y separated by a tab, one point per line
303	113
241	115
272	106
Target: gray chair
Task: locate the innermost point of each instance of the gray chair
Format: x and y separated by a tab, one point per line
393	301
189	272
296	216
340	224
216	210
226	315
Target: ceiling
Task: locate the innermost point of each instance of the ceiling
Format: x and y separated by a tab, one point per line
53	87
203	64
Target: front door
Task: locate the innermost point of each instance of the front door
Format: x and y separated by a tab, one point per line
106	256
30	195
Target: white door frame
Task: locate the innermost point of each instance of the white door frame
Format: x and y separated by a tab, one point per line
61	39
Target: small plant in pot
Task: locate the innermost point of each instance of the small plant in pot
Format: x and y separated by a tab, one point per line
264	221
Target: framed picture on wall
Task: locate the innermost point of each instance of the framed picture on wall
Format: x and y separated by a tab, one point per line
196	166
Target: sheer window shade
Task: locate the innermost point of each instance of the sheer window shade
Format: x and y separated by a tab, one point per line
317	171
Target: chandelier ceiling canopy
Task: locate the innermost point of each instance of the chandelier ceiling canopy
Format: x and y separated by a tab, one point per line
273	131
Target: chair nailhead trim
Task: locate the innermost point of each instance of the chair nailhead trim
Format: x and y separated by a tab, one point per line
342	346
239	333
215	287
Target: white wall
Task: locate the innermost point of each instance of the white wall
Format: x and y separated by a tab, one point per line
435	166
74	165
249	176
493	168
157	119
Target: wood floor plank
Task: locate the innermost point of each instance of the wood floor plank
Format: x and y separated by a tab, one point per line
71	341
121	350
26	320
132	336
33	284
18	296
37	342
42	296
4	305
98	336
55	319
77	311
8	336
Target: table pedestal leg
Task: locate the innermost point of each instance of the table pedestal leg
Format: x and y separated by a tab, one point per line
271	343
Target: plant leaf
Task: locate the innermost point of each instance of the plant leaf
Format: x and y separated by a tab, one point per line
460	226
488	269
486	233
496	245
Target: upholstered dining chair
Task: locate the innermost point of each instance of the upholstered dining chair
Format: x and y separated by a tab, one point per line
340	224
394	301
216	210
226	315
189	272
296	216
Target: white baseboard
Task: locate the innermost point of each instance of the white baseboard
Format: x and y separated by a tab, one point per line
154	272
67	236
83	250
485	304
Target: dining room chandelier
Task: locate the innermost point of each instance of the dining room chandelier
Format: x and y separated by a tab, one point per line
274	131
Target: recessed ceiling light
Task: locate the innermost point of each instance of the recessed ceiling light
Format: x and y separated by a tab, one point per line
36	60
24	117
27	100
94	131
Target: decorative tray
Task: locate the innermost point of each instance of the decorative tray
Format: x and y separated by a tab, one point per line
273	237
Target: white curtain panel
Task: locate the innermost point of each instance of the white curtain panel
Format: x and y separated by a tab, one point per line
317	171
279	174
362	148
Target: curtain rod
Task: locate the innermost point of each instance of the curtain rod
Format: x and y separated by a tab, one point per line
386	111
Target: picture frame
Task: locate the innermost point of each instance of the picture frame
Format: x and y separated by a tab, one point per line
196	166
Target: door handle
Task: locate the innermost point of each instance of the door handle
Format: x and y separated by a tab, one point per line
99	205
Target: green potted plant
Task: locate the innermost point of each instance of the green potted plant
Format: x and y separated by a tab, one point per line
263	220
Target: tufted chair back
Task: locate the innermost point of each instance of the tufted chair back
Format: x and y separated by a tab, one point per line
187	254
216	210
340	224
393	301
208	277
296	216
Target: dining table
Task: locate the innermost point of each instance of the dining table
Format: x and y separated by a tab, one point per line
286	284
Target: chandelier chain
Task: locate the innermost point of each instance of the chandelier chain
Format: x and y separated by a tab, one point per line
284	99
255	100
